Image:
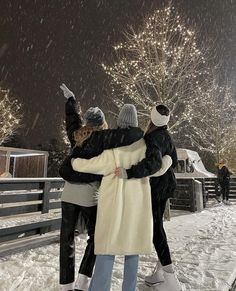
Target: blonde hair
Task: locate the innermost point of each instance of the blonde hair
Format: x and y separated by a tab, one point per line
84	133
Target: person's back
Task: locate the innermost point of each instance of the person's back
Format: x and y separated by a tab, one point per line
224	180
124	219
223	175
127	205
165	184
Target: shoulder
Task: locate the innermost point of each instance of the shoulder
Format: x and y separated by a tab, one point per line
137	145
156	137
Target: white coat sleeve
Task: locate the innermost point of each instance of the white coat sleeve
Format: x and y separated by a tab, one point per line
104	164
166	163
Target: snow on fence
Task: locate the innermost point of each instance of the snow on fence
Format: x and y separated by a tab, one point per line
29	196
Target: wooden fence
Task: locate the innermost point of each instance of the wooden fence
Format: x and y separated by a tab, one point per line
212	188
185	195
28	196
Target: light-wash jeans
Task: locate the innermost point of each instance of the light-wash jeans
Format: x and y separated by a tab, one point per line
101	280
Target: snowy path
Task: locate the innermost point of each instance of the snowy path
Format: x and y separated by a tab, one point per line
203	249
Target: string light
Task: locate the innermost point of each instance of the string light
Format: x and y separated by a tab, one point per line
10	116
160	63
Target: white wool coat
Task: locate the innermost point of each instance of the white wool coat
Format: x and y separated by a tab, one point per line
124	217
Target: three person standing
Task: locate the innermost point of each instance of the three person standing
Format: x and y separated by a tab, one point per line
124	219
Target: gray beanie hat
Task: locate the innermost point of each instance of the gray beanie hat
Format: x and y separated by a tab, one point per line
128	116
94	117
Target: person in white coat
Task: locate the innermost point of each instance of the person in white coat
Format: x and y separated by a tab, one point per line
124	217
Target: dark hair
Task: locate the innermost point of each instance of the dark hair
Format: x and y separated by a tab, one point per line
163	110
150	127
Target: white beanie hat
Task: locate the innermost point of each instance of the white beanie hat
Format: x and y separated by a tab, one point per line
158	119
128	116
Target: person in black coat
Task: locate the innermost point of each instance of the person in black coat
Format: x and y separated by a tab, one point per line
159	143
87	141
224	180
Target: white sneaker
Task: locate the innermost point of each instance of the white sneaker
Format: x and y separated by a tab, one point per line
227	202
224	201
171	283
155	278
67	287
82	282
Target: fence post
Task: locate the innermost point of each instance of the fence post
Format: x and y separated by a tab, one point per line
192	203
46	191
204	192
216	187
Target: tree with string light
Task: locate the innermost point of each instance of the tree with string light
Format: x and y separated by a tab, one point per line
161	63
212	128
10	116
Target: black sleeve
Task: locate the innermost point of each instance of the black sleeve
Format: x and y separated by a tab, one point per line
67	173
114	138
108	139
121	137
73	119
151	163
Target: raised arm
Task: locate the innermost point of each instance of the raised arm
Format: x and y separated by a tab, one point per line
103	164
73	116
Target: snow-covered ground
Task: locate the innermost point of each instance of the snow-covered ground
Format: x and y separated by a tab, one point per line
203	249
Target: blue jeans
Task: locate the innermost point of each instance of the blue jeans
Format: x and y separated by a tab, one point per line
101	280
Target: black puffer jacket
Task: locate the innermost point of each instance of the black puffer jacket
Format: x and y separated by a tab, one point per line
94	146
224	175
159	143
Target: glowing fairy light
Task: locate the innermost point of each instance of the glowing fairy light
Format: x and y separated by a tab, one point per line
10	116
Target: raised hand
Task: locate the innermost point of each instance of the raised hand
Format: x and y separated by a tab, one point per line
67	93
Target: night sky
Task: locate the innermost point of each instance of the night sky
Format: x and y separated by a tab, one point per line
46	42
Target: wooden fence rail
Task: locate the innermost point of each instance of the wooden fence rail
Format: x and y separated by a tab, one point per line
185	195
212	188
26	196
20	196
